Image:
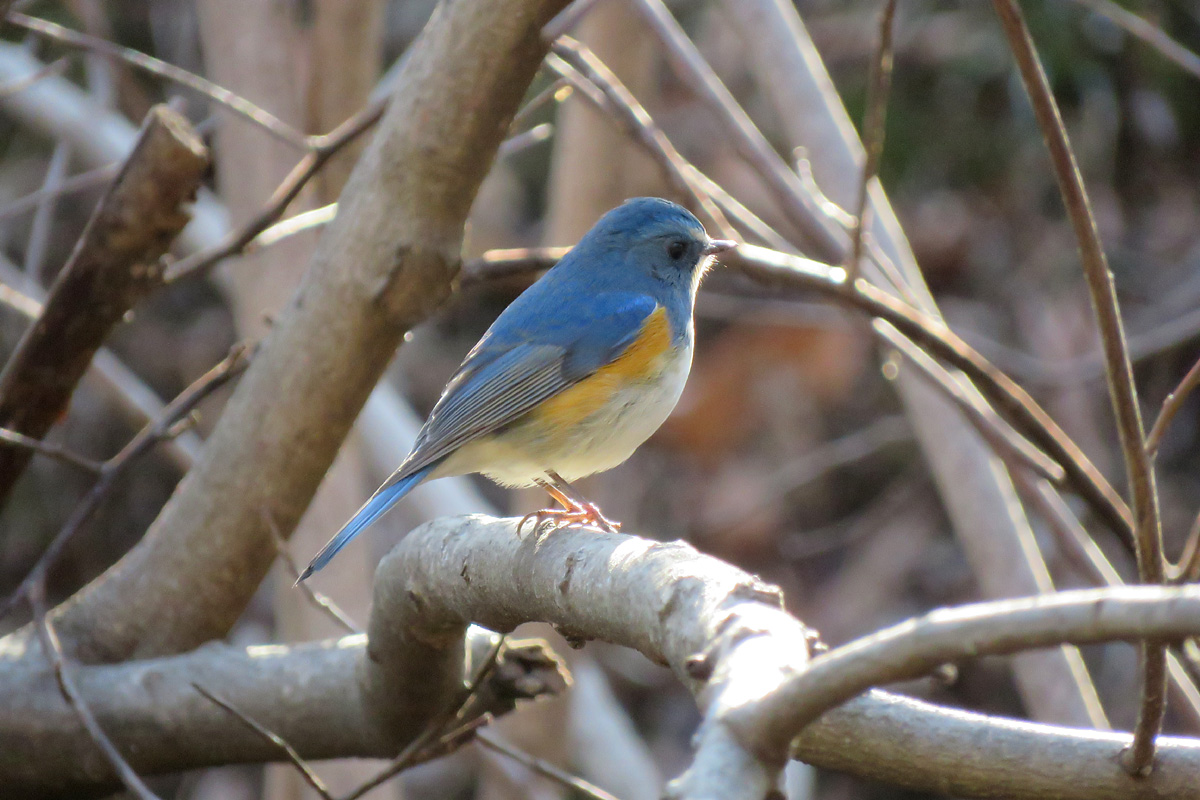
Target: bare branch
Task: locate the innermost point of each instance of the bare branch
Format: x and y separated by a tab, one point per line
305	771
619	102
201	262
1148	32
828	238
981	415
1121	386
318	599
56	67
874	131
94	44
117	466
917	647
542	767
111	269
50	450
1170	407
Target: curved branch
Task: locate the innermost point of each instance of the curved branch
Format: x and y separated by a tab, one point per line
719	629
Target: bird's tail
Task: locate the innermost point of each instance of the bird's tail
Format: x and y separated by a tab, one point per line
383	499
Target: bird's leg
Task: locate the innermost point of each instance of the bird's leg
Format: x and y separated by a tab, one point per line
576	503
575	510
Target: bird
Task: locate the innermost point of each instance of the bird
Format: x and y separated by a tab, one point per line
571	378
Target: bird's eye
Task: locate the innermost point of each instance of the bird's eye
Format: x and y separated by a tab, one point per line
676	249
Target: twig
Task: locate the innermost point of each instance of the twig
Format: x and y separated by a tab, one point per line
325	148
985	420
1122	389
565	20
524	140
66	685
804	211
56	67
116	467
558	91
76	183
43	216
1170	407
57	452
601	88
109	272
305	771
1148	32
1188	570
634	119
874	131
95	44
543	767
436	729
318	599
135	398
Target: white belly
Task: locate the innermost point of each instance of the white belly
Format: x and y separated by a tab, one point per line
600	442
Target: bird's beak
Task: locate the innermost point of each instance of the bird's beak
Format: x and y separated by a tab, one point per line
717	246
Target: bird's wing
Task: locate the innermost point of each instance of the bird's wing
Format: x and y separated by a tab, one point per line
497	384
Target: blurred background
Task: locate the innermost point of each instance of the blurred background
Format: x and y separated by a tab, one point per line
789	455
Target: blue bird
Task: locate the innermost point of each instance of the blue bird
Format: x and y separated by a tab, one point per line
574	375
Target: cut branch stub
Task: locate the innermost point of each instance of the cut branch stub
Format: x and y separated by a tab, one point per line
114	265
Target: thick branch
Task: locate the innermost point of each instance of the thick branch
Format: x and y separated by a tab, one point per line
380	269
112	268
311	695
721	631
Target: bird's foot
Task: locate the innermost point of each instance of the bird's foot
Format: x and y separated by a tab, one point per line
584	515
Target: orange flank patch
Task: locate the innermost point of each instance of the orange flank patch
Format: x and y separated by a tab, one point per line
641	361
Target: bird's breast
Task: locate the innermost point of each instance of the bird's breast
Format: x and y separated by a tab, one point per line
641	365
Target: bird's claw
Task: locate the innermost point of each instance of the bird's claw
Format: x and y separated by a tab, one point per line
586	515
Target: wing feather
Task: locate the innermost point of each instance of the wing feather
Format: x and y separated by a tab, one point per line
496	385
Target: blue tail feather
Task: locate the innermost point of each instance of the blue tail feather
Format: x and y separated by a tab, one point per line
379	504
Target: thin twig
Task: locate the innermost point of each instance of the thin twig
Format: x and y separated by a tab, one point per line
1170	407
801	207
874	121
305	771
70	692
55	67
115	468
604	92
1188	570
635	119
91	179
543	767
325	147
558	91
435	731
95	44
525	139
319	600
1147	31
42	224
985	420
50	450
1122	389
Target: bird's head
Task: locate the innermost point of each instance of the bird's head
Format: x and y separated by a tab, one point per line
660	238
